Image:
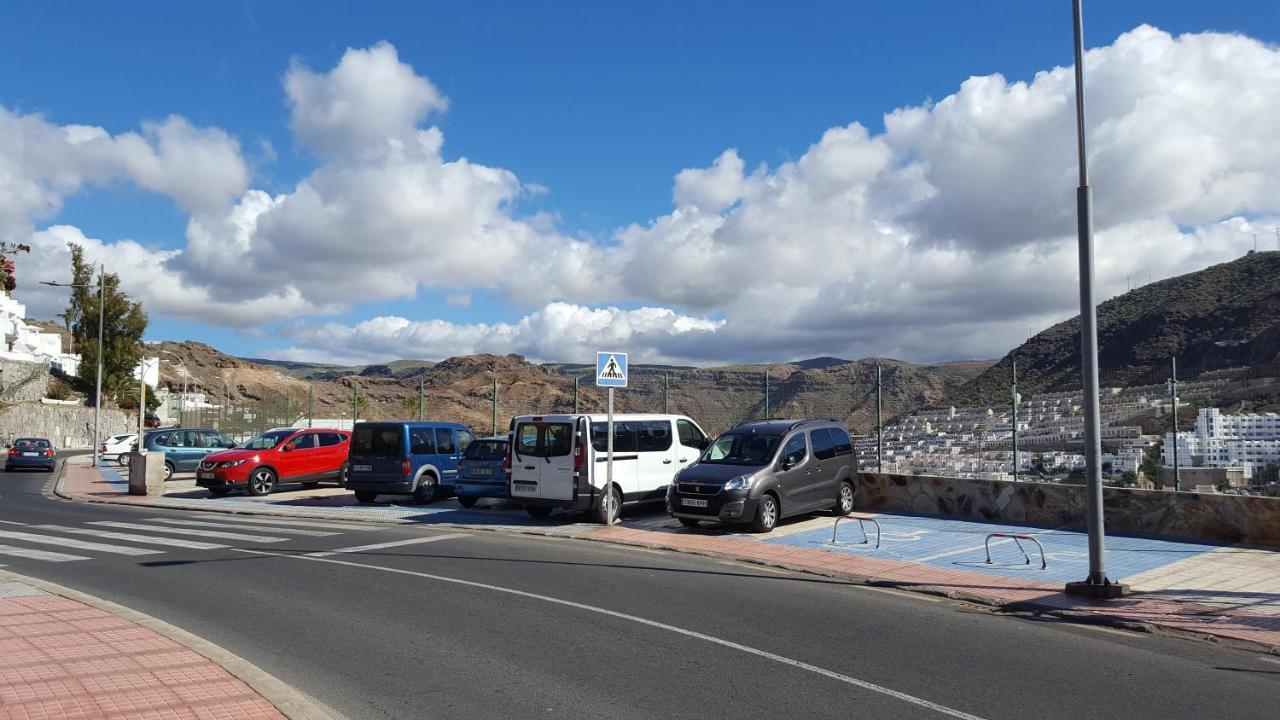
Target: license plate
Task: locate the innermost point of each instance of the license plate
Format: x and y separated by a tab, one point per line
26	454
524	487
205	476
693	502
481	472
362	468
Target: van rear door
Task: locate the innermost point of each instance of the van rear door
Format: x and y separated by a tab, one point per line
376	451
542	461
526	471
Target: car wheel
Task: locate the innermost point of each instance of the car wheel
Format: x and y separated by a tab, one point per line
169	470
610	507
689	522
766	514
538	512
366	496
844	501
343	473
219	492
261	482
426	491
467	502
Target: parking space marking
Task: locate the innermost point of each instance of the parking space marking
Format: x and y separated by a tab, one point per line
800	664
385	545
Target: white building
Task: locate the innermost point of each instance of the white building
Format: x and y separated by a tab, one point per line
20	340
1248	441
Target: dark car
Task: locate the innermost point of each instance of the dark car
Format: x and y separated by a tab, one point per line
35	453
184	448
482	471
405	458
761	472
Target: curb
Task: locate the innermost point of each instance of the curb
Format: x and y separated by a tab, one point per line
292	703
1011	607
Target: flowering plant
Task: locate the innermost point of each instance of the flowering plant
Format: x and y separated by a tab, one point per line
8	277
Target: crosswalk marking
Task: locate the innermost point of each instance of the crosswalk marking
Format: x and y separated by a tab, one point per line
192	531
394	543
77	544
362	527
278	530
38	554
144	539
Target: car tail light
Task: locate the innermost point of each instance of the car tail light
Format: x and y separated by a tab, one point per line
13	451
459	466
506	464
579	457
406	469
48	453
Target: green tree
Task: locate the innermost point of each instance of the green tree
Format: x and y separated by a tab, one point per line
1075	477
123	324
410	405
1151	464
1129	479
128	397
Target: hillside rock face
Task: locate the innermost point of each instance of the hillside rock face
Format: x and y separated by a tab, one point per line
1225	316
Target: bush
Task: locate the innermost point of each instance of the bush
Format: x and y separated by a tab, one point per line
58	390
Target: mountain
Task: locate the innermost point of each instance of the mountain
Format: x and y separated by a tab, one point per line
1225	316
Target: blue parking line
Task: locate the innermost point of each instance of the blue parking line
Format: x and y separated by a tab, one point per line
958	545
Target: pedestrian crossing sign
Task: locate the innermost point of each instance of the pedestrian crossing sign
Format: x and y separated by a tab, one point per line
611	369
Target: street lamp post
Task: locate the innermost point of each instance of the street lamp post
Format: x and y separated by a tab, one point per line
1097	585
97	393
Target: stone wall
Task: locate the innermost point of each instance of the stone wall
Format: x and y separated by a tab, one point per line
1240	519
68	426
23	381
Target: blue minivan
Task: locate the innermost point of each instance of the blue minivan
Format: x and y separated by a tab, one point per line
405	458
481	472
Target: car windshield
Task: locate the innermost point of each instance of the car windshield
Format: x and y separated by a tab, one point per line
485	450
31	444
741	448
268	440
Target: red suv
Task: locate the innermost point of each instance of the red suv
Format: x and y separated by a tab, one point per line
308	456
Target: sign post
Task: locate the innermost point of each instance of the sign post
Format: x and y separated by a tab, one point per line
611	372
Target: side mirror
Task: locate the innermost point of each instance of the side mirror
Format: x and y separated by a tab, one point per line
289	448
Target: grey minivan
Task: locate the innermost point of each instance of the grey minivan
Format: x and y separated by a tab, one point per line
760	472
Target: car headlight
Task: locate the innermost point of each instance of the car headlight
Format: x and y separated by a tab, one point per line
233	463
742	482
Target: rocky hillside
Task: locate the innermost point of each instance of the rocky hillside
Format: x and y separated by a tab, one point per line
462	388
1225	316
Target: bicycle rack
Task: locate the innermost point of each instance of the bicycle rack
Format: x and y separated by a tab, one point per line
862	525
1044	565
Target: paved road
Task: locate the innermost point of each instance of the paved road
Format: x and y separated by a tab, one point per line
469	624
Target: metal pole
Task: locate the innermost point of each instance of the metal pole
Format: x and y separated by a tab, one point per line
879	423
97	402
355	404
575	394
1097	584
142	393
311	404
607	495
1014	398
666	393
766	394
495	406
1173	391
422	400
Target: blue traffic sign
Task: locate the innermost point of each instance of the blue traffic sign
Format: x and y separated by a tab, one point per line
611	369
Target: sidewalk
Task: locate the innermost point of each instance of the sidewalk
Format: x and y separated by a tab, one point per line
62	658
1223	592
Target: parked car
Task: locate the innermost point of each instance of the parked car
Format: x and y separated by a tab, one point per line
29	452
151	420
482	471
310	457
406	458
761	472
117	448
558	461
184	448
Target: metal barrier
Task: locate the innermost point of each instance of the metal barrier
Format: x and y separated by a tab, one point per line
1016	538
862	521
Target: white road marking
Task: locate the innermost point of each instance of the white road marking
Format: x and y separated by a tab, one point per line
11	522
191	531
38	554
143	539
382	546
897	695
232	526
77	544
286	521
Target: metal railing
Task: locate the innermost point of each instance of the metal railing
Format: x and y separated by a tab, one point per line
862	521
1044	565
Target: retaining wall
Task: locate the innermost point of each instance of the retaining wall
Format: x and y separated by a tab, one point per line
23	381
1240	519
67	426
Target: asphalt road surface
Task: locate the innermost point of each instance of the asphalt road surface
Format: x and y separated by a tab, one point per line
473	624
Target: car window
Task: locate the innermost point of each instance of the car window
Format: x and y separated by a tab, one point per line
422	441
303	441
544	439
527	439
824	448
690	435
485	450
624	436
653	435
444	441
742	448
464	439
267	440
795	450
844	446
330	439
193	438
376	440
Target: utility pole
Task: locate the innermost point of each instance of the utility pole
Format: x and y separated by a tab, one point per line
495	405
311	404
575	394
355	404
1173	393
422	400
1097	584
879	422
766	393
666	393
1014	398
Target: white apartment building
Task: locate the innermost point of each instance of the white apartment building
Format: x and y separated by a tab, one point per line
1248	441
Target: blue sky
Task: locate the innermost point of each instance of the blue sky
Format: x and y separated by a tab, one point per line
599	103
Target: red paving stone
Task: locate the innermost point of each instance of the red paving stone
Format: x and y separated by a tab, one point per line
62	659
964	584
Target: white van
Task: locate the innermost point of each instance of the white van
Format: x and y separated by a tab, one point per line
558	461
